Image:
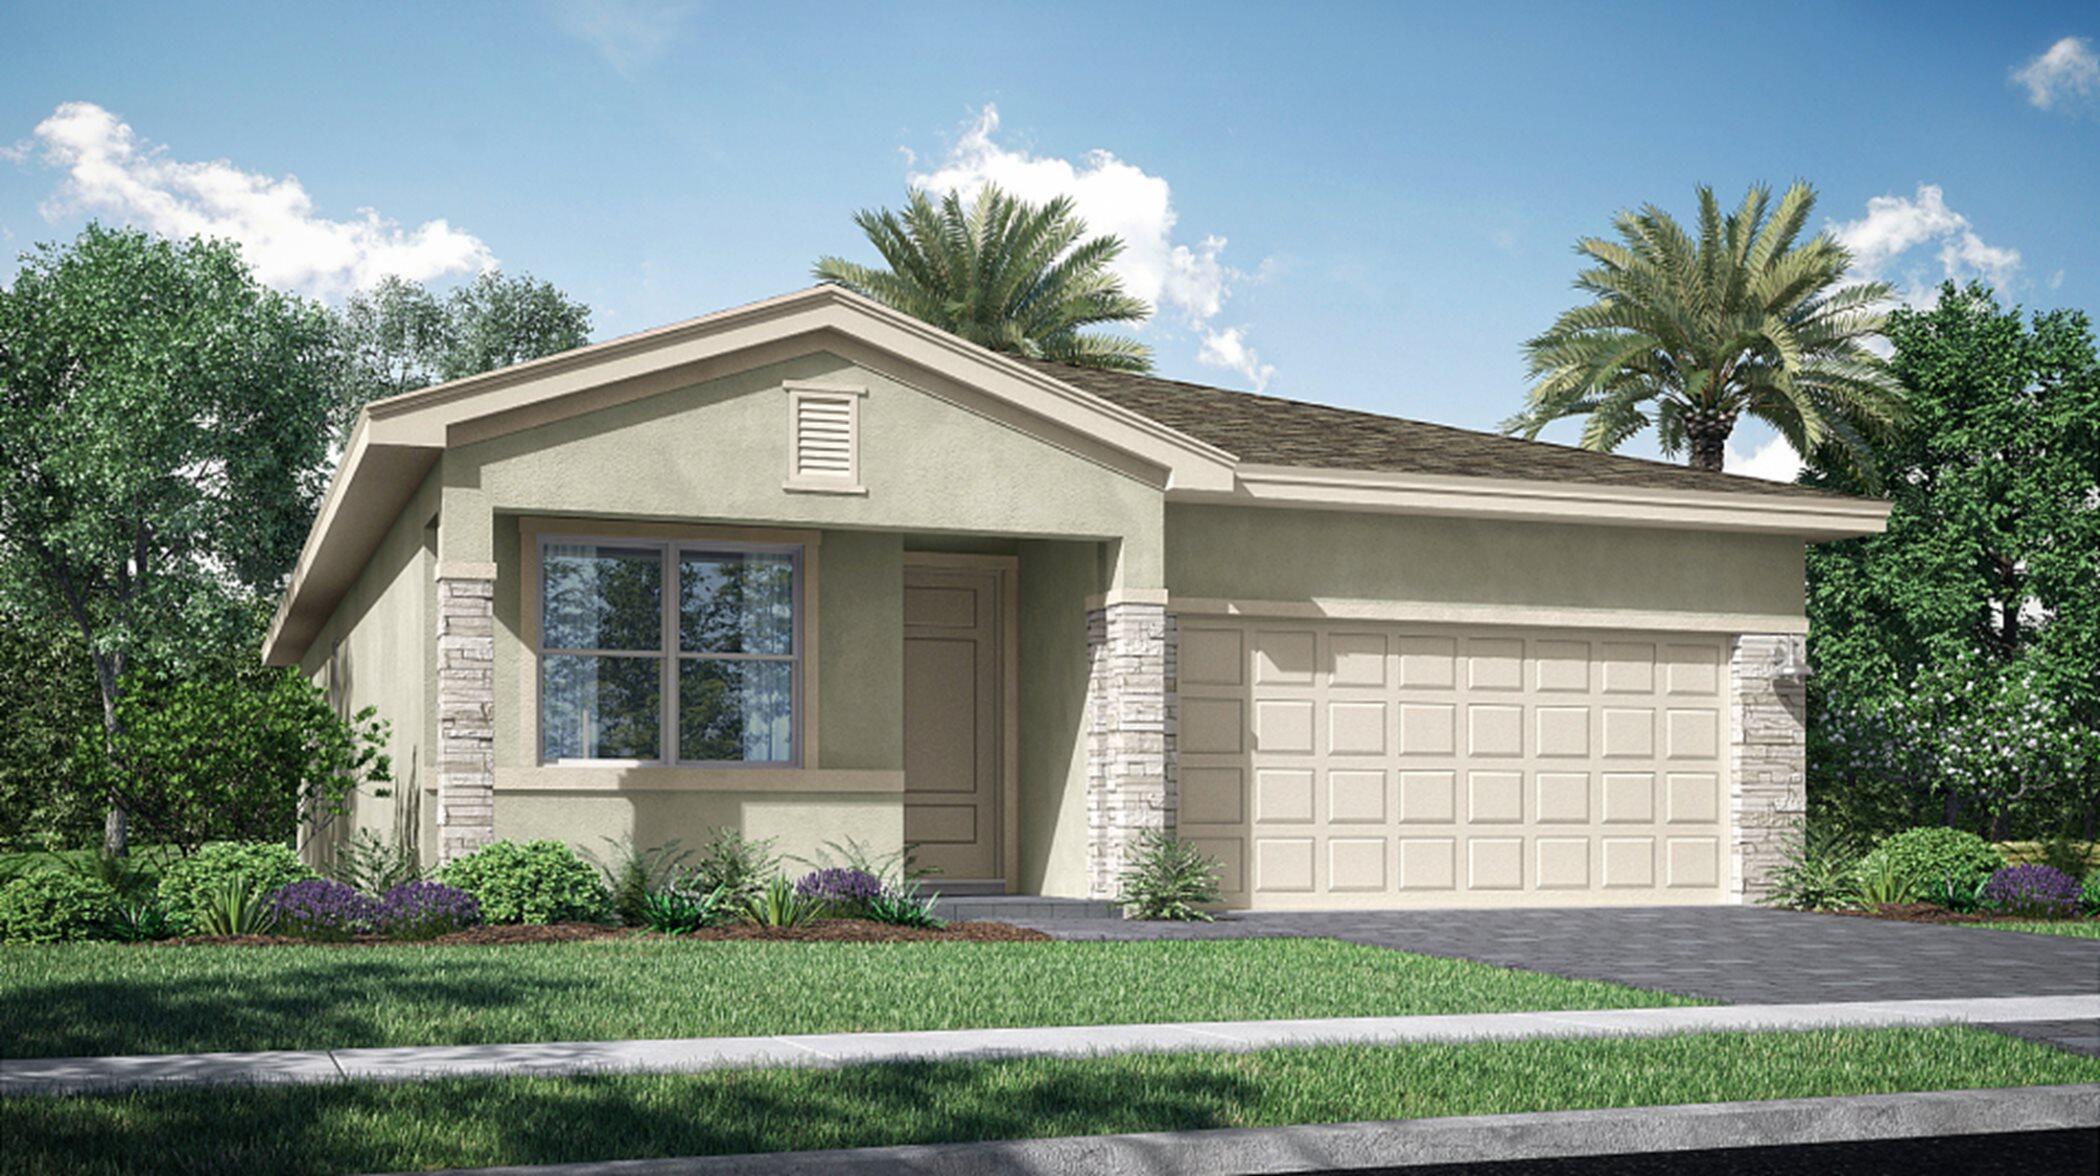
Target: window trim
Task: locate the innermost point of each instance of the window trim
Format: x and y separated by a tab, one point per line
670	544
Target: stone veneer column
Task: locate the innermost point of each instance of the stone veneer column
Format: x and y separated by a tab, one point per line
466	706
1130	731
1768	755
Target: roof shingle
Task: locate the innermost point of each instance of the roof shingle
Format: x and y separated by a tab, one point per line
1270	430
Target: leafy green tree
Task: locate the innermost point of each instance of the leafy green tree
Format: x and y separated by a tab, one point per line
246	755
162	426
397	336
47	693
1973	617
1003	273
1687	335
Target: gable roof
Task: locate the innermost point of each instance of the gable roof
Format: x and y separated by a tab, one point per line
1270	430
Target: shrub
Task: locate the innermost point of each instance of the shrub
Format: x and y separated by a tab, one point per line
142	921
237	907
2037	892
1170	879
191	884
132	876
777	905
374	865
1961	898
844	891
54	906
902	905
732	862
425	910
322	909
1820	873
1880	884
673	911
1925	855
633	874
2089	894
536	882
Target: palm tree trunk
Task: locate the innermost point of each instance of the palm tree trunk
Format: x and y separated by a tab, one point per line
1706	431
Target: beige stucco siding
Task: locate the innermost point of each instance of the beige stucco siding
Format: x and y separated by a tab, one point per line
1055	580
1262	554
718	451
376	651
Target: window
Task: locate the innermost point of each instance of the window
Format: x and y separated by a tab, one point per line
669	652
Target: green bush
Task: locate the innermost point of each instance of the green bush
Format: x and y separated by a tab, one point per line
1922	856
191	887
1170	879
52	906
2089	894
536	882
734	863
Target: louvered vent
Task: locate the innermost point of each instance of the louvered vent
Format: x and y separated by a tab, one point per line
824	438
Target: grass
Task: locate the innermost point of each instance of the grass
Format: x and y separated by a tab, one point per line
2067	928
97	999
475	1122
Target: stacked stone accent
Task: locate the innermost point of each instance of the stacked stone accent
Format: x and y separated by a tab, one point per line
1130	735
1768	755
466	644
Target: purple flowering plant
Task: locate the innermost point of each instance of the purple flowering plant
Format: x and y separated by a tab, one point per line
322	909
2038	892
426	910
841	888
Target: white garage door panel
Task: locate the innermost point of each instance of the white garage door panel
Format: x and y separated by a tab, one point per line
1355	765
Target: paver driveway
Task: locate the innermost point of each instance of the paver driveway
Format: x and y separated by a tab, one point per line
1739	955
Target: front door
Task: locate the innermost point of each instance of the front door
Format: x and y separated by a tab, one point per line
953	730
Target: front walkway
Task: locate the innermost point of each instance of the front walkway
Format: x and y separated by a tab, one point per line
65	1075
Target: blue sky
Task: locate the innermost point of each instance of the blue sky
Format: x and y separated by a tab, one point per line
1368	205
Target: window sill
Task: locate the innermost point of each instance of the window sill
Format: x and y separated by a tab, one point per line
587	778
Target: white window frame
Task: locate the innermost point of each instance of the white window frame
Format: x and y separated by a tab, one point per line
669	655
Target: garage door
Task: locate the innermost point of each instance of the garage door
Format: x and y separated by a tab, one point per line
1332	764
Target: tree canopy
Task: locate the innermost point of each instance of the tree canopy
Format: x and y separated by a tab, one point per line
1000	272
1687	334
398	336
1957	655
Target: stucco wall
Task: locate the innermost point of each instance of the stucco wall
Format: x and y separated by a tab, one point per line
1054	582
1263	554
718	452
376	651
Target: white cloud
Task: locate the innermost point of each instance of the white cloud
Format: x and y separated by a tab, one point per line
1896	225
110	170
1228	349
2067	73
1774	461
1190	281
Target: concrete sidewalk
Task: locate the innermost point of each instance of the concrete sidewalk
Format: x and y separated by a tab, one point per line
62	1075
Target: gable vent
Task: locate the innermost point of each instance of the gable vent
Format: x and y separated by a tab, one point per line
824	438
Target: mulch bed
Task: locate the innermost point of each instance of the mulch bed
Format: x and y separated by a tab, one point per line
1925	912
821	931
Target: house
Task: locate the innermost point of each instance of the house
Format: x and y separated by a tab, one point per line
816	570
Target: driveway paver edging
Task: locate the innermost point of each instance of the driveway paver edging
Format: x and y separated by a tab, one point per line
1416	1142
30	1076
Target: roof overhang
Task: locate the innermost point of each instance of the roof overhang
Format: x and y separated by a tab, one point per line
397	441
1813	519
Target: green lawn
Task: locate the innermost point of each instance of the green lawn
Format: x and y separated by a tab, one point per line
458	1122
2079	929
79	999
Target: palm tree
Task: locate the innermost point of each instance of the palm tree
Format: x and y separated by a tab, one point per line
1691	335
1009	275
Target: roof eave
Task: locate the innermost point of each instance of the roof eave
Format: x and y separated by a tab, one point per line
1814	519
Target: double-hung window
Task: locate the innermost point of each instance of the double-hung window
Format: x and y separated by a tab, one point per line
670	652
